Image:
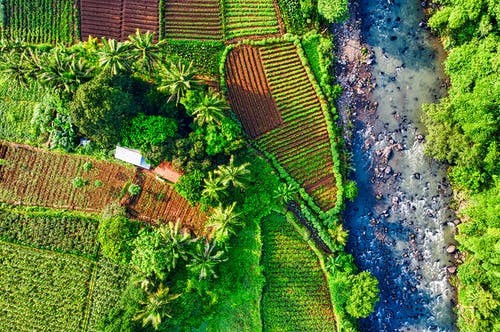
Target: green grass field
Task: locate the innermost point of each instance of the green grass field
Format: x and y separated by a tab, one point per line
41	21
51	277
296	295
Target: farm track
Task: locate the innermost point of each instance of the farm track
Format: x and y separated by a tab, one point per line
36	177
117	19
292	125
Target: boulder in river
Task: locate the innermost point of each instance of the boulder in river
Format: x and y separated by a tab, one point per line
451	249
451	269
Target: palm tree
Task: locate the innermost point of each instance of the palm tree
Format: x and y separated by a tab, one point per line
176	79
286	192
176	242
13	66
338	235
211	109
144	50
154	309
203	262
114	56
223	221
213	188
237	175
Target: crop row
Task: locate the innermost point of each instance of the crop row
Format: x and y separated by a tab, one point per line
302	144
296	297
42	290
109	284
57	231
36	177
249	93
193	19
249	18
161	203
41	21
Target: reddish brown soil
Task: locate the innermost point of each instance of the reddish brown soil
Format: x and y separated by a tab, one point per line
117	19
35	177
158	202
249	93
31	176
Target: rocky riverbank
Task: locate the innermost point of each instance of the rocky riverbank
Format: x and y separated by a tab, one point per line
401	226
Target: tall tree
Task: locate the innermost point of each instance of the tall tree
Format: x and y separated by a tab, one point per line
236	175
114	56
213	188
154	310
144	50
204	261
211	109
176	79
223	221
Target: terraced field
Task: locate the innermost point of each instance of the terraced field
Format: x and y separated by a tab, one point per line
117	19
249	92
159	202
193	19
245	18
298	136
296	295
35	177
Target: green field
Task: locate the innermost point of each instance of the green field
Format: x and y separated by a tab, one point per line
17	105
52	279
40	21
244	18
296	295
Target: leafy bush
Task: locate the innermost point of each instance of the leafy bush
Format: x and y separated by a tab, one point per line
334	11
79	182
99	110
190	186
134	189
115	236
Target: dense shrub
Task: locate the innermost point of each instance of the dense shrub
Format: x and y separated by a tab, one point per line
334	10
115	236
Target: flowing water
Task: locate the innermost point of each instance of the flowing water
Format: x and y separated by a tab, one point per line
400	225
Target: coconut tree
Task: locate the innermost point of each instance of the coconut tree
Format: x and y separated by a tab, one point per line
204	260
114	56
176	242
236	175
223	221
286	192
213	189
338	235
211	109
154	309
14	66
176	79
144	50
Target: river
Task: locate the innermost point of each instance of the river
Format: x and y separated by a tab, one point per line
400	225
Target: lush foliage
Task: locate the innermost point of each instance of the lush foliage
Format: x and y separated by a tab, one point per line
464	131
115	236
334	10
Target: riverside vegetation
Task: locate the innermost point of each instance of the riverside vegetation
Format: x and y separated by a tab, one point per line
211	264
464	132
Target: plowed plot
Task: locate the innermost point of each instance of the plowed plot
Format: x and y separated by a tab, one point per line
30	176
283	113
296	296
117	19
193	19
302	144
159	202
249	93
